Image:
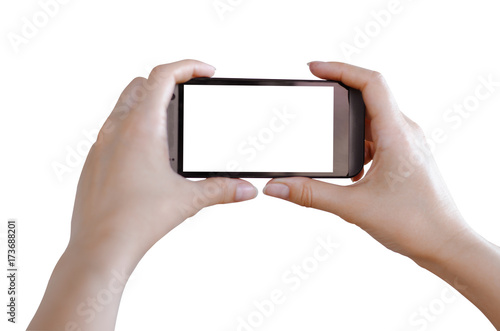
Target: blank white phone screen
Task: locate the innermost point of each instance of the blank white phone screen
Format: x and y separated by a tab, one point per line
234	128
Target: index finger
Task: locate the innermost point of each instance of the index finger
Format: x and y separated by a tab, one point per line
163	78
377	96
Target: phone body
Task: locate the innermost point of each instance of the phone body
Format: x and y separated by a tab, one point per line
265	128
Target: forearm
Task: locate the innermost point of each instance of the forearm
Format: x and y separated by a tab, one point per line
83	293
472	266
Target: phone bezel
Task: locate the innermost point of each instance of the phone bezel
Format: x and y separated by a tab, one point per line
348	130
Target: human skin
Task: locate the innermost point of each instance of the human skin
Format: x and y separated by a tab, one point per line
402	201
128	198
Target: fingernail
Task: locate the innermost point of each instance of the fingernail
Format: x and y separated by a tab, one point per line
277	190
245	192
309	63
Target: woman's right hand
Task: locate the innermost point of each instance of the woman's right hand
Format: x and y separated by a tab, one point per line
402	201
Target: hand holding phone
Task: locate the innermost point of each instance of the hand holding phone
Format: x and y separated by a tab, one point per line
402	201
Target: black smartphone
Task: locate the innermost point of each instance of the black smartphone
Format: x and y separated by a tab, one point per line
266	128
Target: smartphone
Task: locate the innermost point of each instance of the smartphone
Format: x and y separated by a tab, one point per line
265	128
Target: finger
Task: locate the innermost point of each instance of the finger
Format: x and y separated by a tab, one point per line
368	130
369	152
164	77
358	176
376	93
311	193
216	190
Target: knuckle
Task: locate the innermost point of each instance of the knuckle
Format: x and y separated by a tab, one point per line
217	190
122	111
417	131
157	72
377	77
138	81
100	138
135	92
306	195
105	132
223	190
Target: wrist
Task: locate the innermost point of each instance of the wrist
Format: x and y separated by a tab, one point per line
91	284
105	258
471	265
456	248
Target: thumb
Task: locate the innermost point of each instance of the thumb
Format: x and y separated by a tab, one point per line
312	193
215	190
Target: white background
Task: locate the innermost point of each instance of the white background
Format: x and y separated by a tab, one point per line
258	128
206	273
